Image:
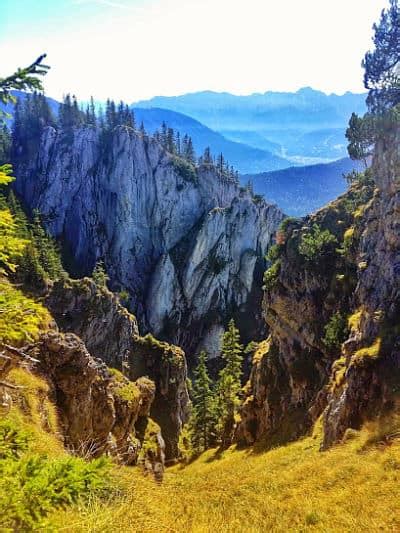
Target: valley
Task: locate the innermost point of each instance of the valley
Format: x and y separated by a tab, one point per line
198	330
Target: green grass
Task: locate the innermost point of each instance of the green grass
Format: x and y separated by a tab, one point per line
36	473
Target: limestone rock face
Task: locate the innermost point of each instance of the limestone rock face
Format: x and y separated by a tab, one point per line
110	333
98	408
371	354
291	370
188	248
298	374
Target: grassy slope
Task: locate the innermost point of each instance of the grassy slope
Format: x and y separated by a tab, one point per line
353	487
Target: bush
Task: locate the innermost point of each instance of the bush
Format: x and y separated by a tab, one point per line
21	318
33	486
316	243
271	275
13	440
286	223
336	331
273	253
184	169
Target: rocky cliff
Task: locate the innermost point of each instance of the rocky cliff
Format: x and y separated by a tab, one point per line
368	385
111	334
187	243
332	305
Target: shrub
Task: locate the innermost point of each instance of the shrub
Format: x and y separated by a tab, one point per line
348	240
316	243
362	178
33	486
13	440
286	223
185	169
271	275
354	320
21	318
99	275
336	331
273	253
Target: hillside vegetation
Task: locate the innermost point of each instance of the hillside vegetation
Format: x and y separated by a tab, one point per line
353	487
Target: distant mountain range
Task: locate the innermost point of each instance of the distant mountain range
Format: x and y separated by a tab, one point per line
245	159
297	190
302	190
304	126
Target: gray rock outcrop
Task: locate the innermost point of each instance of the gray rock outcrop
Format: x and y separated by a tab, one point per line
189	247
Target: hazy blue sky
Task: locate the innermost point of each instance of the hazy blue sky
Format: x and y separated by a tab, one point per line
135	49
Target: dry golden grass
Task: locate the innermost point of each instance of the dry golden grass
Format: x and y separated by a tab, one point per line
34	412
293	488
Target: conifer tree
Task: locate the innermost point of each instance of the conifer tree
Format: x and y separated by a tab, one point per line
203	420
170	141
360	135
92	112
5	144
11	245
99	274
382	65
190	153
47	250
229	383
220	164
164	134
207	159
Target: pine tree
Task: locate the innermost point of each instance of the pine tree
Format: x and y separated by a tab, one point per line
190	153
203	420
207	158
11	245
229	383
382	65
178	143
360	135
30	272
47	250
99	274
5	144
221	164
92	113
164	134
250	188
170	141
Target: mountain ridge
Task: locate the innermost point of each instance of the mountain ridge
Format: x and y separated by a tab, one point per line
299	191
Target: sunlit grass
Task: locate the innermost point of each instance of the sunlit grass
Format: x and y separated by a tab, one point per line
291	488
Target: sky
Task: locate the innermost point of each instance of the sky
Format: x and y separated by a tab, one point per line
136	49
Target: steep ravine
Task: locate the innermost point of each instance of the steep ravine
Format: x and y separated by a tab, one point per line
189	247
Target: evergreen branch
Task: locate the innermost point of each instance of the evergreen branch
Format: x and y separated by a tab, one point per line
23	79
